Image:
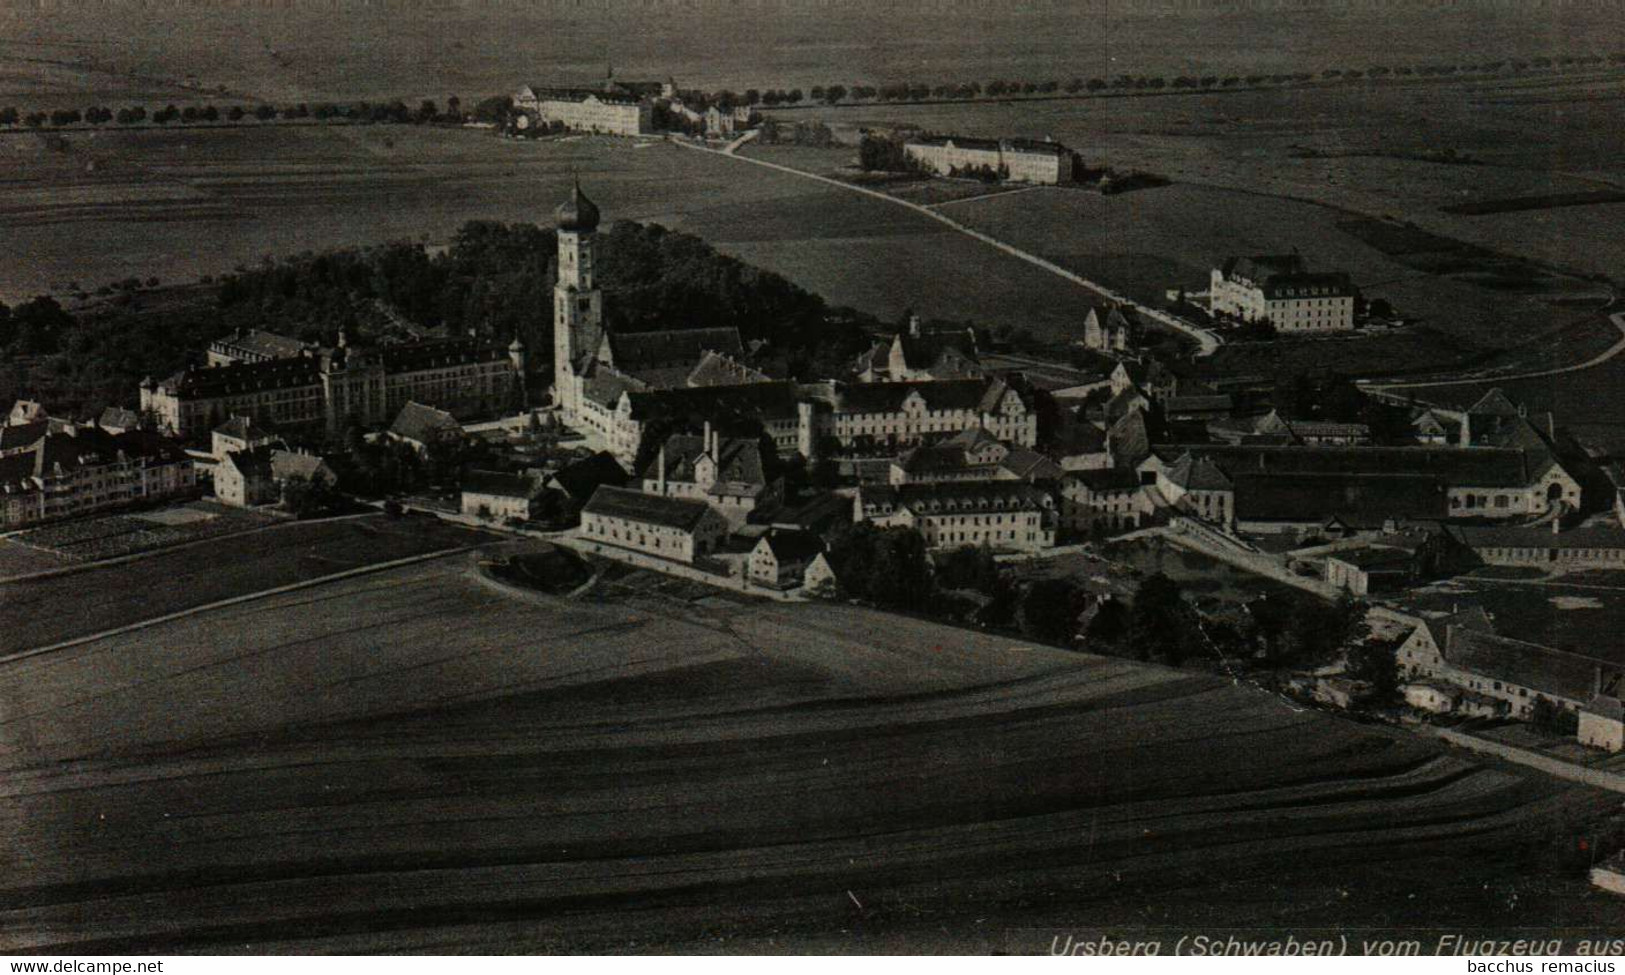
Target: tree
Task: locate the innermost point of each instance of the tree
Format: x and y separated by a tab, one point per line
265	113
1109	627
309	497
426	112
9	115
833	94
885	565
968	567
1049	612
1160	624
1376	664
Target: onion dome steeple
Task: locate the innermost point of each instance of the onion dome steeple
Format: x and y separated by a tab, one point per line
578	213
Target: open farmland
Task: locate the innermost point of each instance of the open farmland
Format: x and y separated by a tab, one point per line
422	759
81	207
1146	242
43	611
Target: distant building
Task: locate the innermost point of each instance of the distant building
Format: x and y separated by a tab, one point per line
582	478
330	389
609	110
26	411
239	433
972	455
923	352
1464	651
498	496
1107	499
1006	515
117	419
244	478
1196	486
1282	291
670	528
253	345
424	427
1112	329
780	558
1581	548
725	472
1017	160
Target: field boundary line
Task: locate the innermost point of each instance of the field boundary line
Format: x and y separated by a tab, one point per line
137	556
236	600
1618	318
1208	341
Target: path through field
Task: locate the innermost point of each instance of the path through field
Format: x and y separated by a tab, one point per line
1207	341
415	760
1618	318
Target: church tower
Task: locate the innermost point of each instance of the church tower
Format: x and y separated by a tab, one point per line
578	305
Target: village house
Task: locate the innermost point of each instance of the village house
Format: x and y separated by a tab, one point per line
780	558
679	529
1195	486
244	478
1108	499
499	496
922	352
424	428
1282	291
1111	329
1464	651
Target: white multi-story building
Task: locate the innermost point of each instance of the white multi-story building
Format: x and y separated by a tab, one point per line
607	111
1017	160
80	470
1282	291
1008	515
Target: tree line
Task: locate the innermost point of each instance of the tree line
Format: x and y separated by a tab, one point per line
399	112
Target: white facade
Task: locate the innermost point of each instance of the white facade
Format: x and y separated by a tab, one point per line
1015	160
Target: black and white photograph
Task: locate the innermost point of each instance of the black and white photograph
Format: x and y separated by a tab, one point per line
812	477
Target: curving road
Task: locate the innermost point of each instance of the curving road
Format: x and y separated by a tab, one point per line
1207	340
1618	318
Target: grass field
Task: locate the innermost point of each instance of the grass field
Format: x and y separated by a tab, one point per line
46	611
417	759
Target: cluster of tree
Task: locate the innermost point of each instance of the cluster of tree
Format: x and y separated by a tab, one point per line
885	154
1008	87
813	133
984	173
396	111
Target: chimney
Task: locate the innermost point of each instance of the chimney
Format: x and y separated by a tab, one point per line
914	324
660	471
1596	682
705	443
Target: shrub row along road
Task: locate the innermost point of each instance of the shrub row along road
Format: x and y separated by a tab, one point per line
1207	341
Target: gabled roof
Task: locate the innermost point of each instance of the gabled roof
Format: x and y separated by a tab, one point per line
634	351
716	369
1542	669
255	463
791	545
424	424
242	428
19	435
1031	465
944	351
1197	474
1129	440
1357	500
260	342
580	479
614	502
293	463
118	418
500	485
1493	403
1107	479
739	463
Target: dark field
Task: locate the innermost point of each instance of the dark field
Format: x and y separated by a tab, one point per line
417	760
42	612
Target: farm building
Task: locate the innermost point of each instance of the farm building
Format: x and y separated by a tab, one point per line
679	529
725	472
780	558
423	427
496	496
